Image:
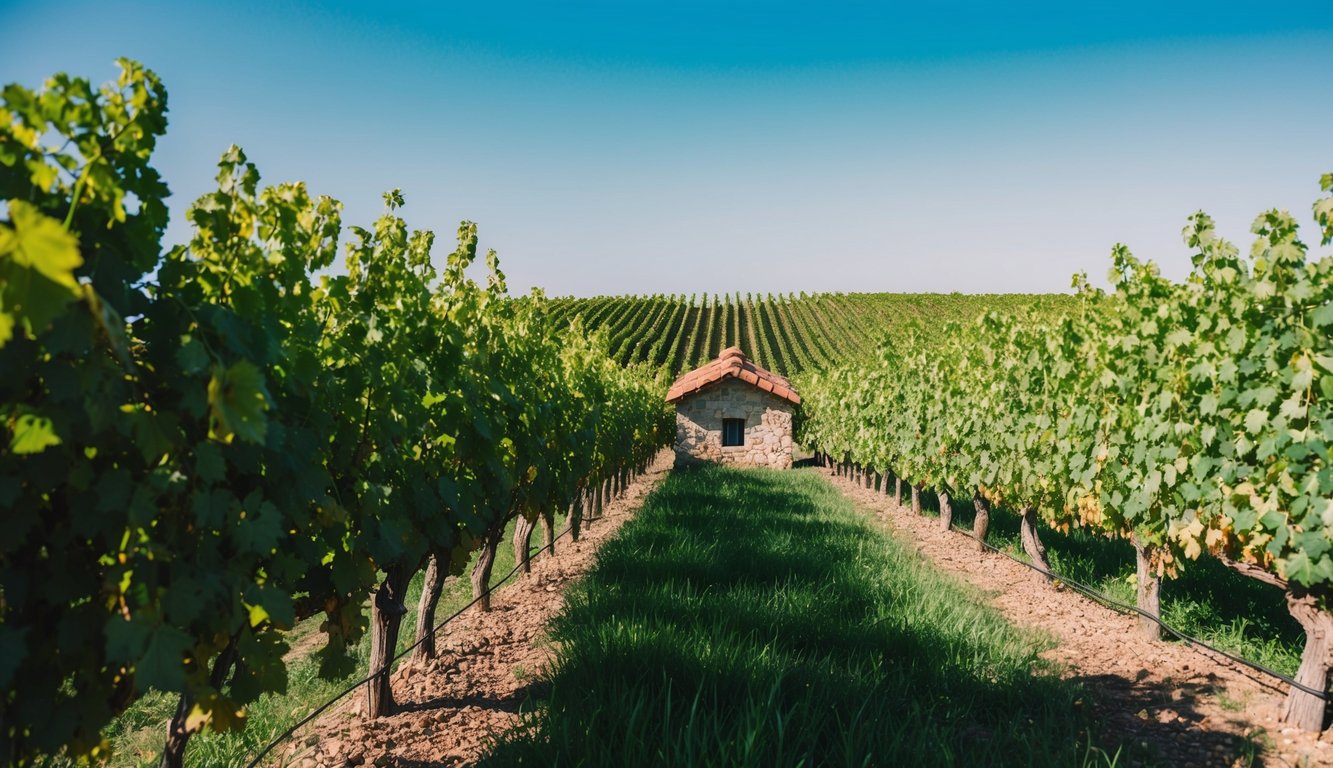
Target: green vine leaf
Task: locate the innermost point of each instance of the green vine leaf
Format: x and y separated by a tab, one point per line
238	402
32	434
161	666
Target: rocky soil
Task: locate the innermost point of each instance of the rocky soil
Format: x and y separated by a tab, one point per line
1168	704
488	664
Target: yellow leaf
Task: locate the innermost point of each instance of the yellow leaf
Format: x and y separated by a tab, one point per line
1192	549
197	719
215	711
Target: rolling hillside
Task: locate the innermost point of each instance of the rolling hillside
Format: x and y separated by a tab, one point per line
787	333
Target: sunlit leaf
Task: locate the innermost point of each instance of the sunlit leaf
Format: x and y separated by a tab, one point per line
32	434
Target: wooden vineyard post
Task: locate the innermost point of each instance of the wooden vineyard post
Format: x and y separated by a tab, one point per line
981	525
481	571
1310	609
523	542
1304	710
386	617
431	587
1148	595
599	499
548	530
1036	551
575	516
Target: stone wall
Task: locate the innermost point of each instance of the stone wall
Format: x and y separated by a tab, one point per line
767	426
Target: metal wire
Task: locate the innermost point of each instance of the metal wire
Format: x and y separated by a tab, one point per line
389	664
1077	586
1126	607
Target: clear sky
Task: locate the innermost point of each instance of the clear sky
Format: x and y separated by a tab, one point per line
622	147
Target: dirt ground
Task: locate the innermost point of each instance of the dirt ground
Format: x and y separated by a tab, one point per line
487	662
1166	702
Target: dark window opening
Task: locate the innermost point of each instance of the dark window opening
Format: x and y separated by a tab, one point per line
733	432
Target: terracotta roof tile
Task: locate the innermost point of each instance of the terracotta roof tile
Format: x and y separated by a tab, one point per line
732	363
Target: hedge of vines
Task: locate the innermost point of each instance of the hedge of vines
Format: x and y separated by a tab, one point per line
201	444
1189	417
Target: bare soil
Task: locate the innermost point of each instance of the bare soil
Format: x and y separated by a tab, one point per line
1167	703
488	664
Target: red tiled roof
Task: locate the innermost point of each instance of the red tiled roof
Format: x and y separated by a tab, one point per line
732	363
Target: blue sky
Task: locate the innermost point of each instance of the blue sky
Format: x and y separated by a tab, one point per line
617	147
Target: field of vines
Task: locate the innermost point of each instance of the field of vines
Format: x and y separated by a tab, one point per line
202	445
786	333
1190	419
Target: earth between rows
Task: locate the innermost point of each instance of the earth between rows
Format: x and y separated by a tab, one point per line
1164	701
1160	699
487	663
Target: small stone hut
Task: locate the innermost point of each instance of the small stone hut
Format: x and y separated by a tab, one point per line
731	411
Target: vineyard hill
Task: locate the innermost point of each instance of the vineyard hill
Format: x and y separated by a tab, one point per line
785	333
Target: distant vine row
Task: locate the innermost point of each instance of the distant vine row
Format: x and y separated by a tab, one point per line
787	334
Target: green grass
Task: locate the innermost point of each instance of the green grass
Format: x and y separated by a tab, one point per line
1208	600
137	735
755	618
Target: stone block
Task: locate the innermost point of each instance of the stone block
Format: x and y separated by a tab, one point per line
768	425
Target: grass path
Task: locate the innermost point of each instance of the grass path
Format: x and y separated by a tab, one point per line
755	618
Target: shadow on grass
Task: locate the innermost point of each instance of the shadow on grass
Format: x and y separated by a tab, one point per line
752	618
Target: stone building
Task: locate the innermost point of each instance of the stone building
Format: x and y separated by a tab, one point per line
731	411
